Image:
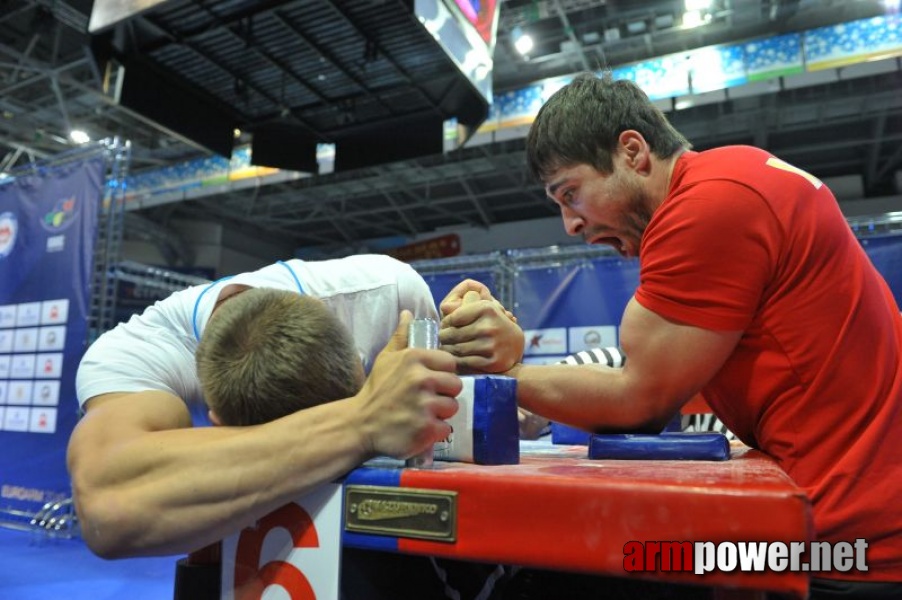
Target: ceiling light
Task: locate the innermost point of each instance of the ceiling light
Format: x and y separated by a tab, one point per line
522	41
524	44
79	137
695	18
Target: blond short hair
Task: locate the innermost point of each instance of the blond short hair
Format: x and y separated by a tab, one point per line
267	353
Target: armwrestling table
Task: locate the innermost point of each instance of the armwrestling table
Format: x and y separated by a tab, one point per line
559	510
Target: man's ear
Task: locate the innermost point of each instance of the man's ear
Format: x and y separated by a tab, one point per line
635	149
214	418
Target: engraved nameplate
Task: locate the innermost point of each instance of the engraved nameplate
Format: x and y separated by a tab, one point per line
402	512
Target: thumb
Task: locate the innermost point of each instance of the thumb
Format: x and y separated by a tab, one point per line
398	339
471	297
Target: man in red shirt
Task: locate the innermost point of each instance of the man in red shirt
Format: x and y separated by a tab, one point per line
753	291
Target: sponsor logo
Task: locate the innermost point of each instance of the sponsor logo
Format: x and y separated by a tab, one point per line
546	341
9	227
56	243
61	215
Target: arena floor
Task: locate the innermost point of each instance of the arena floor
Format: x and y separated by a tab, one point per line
37	568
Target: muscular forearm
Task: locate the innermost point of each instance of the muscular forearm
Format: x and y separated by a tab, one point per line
593	397
175	490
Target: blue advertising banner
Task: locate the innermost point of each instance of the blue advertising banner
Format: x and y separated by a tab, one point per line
574	306
885	251
48	225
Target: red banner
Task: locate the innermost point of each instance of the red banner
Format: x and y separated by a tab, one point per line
439	247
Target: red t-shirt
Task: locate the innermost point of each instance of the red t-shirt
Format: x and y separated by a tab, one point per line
747	242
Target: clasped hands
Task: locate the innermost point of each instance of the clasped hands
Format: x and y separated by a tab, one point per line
482	335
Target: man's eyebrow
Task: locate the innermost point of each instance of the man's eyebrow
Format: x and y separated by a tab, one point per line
554	187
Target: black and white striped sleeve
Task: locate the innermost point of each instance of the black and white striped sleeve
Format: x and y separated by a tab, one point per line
610	356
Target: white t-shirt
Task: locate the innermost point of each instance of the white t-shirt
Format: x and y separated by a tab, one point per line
155	350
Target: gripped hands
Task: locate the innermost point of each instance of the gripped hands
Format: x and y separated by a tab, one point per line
479	331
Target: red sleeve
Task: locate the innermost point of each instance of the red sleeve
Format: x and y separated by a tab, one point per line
708	254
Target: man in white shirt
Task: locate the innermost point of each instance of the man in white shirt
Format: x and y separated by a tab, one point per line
147	483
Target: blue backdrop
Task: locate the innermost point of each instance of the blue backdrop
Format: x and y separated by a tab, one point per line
885	252
47	231
573	306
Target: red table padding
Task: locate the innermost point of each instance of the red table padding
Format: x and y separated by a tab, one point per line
559	510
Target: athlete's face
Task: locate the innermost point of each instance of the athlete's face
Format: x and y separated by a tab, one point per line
611	209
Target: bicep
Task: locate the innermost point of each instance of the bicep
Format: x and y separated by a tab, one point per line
669	361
